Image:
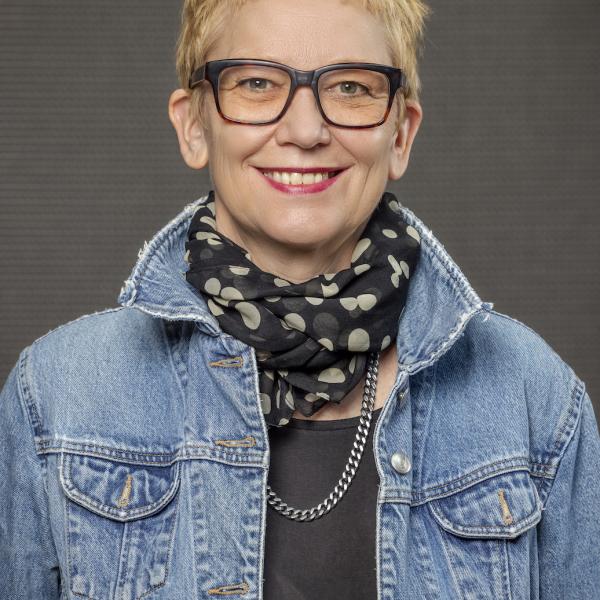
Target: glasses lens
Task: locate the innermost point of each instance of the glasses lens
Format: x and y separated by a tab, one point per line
253	94
354	96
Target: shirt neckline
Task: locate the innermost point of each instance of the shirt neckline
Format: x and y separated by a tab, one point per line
348	423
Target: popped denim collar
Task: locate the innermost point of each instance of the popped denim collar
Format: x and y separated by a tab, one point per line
440	300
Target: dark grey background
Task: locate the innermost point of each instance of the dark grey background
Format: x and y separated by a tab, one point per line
504	169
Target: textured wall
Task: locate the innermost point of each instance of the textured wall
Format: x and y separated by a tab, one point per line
503	170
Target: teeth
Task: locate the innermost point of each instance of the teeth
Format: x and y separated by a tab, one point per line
297	178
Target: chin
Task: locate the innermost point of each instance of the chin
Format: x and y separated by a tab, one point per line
301	227
300	237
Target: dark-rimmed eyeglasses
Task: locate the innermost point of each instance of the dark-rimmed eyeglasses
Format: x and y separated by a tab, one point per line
258	92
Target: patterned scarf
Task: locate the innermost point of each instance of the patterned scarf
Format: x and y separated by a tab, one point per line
312	339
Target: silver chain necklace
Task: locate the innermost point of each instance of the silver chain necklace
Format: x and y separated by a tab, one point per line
310	514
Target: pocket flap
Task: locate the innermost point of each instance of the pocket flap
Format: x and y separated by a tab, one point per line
120	491
503	506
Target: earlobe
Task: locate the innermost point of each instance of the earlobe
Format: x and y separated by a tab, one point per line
405	133
190	134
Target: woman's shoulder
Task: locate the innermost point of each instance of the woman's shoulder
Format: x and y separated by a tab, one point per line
102	346
110	330
509	345
520	369
100	372
503	382
107	338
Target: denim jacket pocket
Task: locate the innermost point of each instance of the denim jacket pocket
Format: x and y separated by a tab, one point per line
120	525
482	534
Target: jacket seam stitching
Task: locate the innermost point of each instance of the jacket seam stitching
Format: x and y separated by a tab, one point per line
207	453
447	343
170	348
480	471
25	396
123	515
458	529
155	311
509	318
536	334
46	446
437	250
429	380
424	496
27	403
573	419
506	570
81	317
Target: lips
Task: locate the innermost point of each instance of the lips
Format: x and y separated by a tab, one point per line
300	180
302	169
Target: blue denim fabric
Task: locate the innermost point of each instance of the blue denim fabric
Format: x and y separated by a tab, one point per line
134	453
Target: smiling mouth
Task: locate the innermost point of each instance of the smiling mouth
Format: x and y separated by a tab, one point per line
298	178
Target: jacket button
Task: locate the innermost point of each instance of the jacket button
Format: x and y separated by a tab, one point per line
401	463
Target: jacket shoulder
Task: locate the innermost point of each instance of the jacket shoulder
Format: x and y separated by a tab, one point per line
103	323
517	351
506	389
96	339
552	391
106	367
524	348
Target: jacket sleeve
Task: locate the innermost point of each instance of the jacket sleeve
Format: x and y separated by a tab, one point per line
569	540
28	562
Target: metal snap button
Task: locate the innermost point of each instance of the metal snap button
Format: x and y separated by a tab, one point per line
401	463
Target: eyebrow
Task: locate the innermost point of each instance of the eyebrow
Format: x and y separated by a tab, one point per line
279	60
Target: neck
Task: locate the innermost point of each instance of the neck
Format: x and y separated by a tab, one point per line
296	268
295	262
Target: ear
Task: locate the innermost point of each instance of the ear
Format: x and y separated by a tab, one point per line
191	135
405	132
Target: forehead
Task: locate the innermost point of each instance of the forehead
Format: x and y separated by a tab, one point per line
304	34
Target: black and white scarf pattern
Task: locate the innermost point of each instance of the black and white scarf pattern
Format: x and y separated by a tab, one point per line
312	339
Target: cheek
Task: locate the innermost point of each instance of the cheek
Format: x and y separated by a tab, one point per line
224	152
370	148
238	146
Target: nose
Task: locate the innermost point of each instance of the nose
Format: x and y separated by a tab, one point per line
302	124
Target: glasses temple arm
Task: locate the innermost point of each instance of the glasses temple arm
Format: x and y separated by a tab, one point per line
197	76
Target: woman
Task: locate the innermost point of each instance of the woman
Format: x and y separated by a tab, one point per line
294	325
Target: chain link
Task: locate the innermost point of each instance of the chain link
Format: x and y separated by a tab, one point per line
310	514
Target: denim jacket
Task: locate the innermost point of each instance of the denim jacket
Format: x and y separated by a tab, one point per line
134	453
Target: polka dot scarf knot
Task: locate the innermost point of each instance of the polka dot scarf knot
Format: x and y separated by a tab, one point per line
312	339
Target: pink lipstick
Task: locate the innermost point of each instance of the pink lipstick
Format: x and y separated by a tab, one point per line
305	188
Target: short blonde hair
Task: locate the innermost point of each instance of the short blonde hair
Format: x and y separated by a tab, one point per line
203	20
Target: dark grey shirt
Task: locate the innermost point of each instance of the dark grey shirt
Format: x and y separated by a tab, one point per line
334	556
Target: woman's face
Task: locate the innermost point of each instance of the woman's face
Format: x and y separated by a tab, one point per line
285	233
